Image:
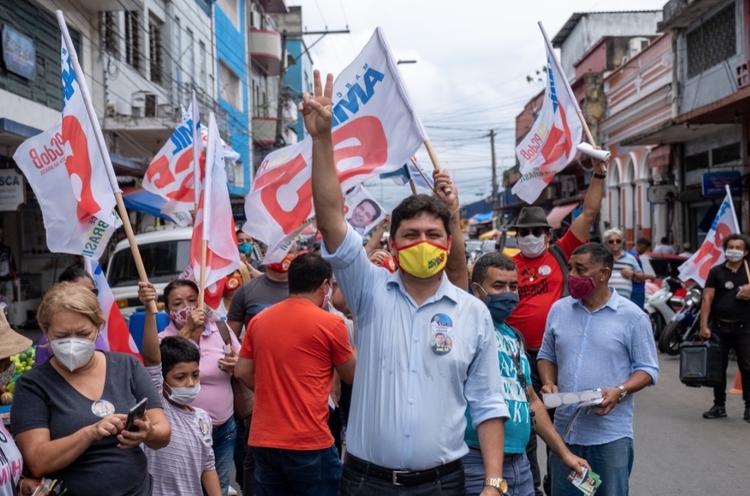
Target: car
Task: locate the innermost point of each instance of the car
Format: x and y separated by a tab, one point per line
165	254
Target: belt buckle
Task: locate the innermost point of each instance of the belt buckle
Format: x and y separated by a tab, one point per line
396	474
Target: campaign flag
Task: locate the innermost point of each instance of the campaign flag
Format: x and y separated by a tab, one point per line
170	174
375	130
65	168
711	251
411	170
551	143
214	222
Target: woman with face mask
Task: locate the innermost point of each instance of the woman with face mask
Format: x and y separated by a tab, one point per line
69	414
174	370
216	368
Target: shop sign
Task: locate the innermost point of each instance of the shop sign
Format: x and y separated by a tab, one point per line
714	184
19	53
12	190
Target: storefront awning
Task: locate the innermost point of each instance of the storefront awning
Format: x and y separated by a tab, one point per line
557	214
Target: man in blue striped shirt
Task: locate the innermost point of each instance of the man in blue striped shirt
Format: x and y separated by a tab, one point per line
596	339
406	425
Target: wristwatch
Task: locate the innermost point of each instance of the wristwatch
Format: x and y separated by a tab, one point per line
498	483
623	392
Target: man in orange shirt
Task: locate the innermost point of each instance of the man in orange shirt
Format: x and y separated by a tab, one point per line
542	277
288	357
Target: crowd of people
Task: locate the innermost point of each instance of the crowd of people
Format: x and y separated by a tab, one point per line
375	371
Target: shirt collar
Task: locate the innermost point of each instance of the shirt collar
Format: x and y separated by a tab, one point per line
613	302
446	289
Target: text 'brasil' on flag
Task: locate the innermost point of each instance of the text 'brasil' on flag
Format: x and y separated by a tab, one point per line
551	143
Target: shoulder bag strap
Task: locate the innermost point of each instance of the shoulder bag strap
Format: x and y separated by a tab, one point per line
224	331
556	252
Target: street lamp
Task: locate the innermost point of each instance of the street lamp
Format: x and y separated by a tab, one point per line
406	62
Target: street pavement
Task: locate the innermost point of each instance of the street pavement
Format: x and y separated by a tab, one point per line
677	451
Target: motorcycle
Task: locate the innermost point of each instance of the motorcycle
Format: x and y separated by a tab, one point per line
684	325
662	305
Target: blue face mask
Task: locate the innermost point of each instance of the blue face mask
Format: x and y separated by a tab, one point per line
501	305
246	248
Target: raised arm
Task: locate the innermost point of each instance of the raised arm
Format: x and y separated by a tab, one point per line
456	268
326	189
151	353
377	234
592	203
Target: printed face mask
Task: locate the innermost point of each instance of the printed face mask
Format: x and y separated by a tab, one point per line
184	395
233	282
180	316
580	287
422	259
73	353
282	266
734	255
501	305
532	246
6	376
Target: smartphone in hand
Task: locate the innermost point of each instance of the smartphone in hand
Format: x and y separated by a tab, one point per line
137	412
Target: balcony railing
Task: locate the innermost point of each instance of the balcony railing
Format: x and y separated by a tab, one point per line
265	50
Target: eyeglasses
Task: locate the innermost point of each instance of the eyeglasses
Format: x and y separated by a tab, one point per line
614	241
537	231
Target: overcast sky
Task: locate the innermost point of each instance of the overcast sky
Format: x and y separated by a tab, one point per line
472	56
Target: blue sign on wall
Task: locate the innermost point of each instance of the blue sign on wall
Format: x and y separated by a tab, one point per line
19	53
714	184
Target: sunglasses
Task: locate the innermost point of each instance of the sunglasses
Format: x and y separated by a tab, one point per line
614	241
537	231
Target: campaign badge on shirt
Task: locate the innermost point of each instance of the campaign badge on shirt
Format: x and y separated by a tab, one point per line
545	270
440	326
729	285
204	426
102	408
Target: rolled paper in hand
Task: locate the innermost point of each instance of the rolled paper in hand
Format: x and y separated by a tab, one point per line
586	149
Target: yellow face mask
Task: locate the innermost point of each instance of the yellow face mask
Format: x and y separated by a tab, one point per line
422	259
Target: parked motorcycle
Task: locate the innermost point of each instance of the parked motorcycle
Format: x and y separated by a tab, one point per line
684	326
660	305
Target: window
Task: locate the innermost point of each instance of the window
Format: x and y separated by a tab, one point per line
109	33
132	39
725	154
203	75
230	86
712	42
232	10
155	51
697	161
190	49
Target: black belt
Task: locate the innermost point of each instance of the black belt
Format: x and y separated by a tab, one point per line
732	323
401	477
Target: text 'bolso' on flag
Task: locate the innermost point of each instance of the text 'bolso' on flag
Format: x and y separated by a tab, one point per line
214	221
711	251
65	168
551	143
375	130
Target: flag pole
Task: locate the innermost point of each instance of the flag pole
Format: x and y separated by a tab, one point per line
411	181
435	163
586	130
419	169
211	152
104	153
196	158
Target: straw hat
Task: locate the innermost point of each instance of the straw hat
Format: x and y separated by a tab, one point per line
11	343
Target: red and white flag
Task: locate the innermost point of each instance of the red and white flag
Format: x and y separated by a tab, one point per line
214	222
711	251
115	331
171	173
65	168
551	143
375	131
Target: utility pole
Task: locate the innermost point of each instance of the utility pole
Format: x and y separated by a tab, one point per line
280	99
494	170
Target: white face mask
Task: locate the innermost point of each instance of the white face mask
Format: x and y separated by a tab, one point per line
734	255
73	353
184	395
531	246
327	297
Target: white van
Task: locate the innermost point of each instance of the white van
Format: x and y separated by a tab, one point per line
165	255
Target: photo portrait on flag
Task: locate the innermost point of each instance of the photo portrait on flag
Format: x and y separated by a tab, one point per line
361	210
375	130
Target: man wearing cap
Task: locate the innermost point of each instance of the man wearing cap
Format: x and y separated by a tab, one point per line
542	276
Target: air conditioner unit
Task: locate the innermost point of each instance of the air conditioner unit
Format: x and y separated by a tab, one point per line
164	110
635	45
137	104
150	106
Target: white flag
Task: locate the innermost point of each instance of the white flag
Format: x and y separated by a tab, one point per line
551	143
375	131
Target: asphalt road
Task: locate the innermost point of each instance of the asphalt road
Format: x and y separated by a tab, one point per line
677	451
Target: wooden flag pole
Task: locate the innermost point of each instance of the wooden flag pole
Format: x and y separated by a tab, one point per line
435	163
83	86
202	286
413	186
425	179
196	156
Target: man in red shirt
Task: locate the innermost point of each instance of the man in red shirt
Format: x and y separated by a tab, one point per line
288	356
542	277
